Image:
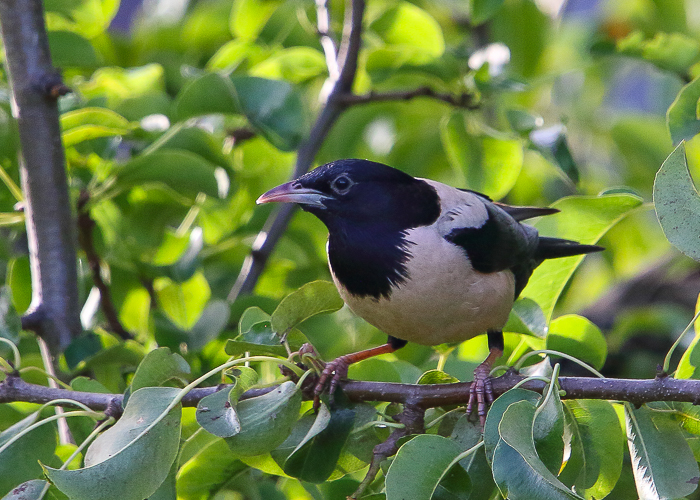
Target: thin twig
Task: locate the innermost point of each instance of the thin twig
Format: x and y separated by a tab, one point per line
64	434
277	222
85	227
464	100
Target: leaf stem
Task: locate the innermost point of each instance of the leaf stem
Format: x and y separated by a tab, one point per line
667	359
15	351
583	364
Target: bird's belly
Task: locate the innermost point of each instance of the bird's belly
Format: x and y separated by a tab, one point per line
443	299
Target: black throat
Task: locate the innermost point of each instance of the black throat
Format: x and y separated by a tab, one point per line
370	258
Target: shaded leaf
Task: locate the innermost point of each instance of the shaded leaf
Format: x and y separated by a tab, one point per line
548	429
495	414
210	93
483	10
677	203
419	466
266	420
527	317
91	123
216	415
143	435
29	490
682	114
315	457
157	367
207	471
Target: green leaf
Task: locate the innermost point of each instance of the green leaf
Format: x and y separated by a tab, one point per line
663	464
210	324
483	10
596	442
682	114
274	108
216	415
527	317
245	377
183	303
517	470
315	457
248	17
584	219
210	93
208	471
436	377
20	281
311	299
28	490
266	420
20	461
143	435
69	49
295	64
677	203
672	51
90	123
412	29
193	139
495	415
548	429
484	161
10	322
551	142
467	433
419	466
258	338
182	171
578	336
157	367
687	414
87	17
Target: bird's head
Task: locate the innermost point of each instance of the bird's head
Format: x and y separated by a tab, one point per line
359	192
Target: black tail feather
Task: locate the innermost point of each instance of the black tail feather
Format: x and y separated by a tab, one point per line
553	248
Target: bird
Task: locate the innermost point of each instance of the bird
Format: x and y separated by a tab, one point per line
420	260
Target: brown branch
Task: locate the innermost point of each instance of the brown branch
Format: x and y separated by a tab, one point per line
464	100
85	226
424	396
55	310
277	222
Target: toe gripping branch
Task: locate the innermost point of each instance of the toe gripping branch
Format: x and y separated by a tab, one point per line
337	370
481	391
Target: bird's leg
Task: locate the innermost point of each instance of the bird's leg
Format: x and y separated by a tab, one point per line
481	391
337	369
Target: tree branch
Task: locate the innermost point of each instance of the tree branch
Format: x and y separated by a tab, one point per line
85	227
464	100
637	392
54	312
277	222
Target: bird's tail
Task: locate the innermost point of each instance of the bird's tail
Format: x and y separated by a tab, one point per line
553	248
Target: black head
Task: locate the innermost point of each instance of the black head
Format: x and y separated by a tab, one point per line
361	192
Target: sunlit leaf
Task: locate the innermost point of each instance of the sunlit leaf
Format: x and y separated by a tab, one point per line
248	17
579	337
311	299
584	219
682	115
664	466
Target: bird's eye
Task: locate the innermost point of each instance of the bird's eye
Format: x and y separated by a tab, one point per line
341	184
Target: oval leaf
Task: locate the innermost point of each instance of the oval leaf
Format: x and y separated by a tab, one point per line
216	415
182	171
517	469
90	123
266	420
677	203
419	466
663	464
682	115
157	367
143	435
311	299
578	336
584	219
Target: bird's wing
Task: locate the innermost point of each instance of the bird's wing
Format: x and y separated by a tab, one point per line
492	239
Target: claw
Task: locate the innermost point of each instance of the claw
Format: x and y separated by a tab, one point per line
481	392
333	373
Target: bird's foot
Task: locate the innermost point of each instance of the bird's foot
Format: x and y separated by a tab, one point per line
332	373
481	392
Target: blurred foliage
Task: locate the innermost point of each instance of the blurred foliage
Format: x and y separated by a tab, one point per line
182	117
